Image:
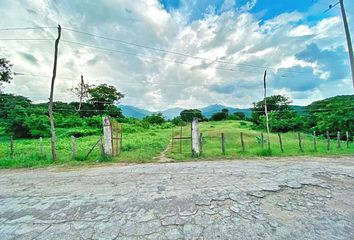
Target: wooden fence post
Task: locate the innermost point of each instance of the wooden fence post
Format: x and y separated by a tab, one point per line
328	140
41	146
222	143
338	139
300	145
102	151
347	140
314	141
195	138
201	142
242	142
280	143
73	145
180	139
12	148
262	139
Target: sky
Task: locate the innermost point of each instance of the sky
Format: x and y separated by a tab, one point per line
177	53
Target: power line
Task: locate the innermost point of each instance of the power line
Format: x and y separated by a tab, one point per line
24	28
177	53
26	39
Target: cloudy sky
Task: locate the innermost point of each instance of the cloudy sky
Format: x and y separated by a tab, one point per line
186	53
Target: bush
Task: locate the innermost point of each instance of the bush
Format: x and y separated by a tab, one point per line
38	126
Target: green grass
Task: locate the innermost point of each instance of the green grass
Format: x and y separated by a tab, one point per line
231	129
138	147
144	145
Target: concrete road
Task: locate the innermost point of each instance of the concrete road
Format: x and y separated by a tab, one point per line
302	198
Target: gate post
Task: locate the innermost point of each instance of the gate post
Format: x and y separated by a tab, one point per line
195	138
107	134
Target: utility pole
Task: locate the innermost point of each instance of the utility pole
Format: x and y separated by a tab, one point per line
50	107
349	41
265	107
81	92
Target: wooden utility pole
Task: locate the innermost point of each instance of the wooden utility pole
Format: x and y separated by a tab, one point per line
50	107
265	107
81	92
349	41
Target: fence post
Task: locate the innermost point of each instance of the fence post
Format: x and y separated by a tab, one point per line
12	148
41	146
262	139
242	142
201	142
222	143
328	140
347	141
73	145
195	138
280	143
180	139
107	132
338	139
314	141
102	150
300	145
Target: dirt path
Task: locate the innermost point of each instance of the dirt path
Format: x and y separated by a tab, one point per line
302	198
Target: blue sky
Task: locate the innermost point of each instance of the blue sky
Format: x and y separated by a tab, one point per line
214	51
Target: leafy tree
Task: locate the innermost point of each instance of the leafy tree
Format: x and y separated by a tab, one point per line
103	95
177	121
240	115
188	115
155	118
219	116
331	114
274	103
9	101
5	71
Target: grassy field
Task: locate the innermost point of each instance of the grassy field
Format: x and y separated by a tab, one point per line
138	147
231	129
144	146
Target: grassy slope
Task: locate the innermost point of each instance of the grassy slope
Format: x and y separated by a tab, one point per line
137	147
143	146
212	143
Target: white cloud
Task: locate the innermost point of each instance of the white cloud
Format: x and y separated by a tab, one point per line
236	37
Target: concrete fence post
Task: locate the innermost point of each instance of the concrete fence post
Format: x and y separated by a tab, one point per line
107	134
195	138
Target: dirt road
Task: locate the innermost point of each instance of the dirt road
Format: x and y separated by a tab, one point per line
303	198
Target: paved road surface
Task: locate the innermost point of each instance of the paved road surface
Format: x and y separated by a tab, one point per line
306	198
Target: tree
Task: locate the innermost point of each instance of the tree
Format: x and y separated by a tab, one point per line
331	114
177	121
155	118
5	71
104	95
274	103
188	115
219	116
240	115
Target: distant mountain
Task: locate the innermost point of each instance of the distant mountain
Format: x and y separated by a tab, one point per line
211	109
299	109
172	112
134	112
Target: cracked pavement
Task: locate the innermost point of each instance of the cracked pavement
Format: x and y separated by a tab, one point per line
289	198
